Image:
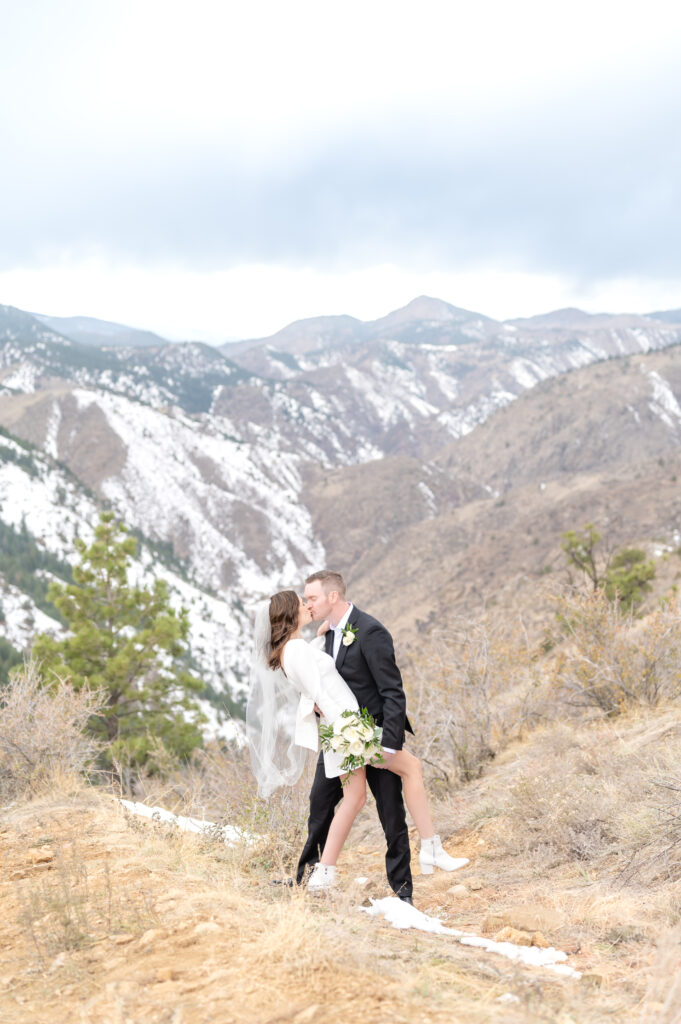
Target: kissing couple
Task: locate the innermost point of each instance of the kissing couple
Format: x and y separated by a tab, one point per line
295	686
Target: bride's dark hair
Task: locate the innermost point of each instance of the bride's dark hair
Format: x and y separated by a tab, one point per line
284	612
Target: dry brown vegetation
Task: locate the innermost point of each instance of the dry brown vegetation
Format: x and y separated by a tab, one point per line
41	733
570	814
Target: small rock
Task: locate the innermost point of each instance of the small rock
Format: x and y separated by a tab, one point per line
540	941
474	883
152	935
122	938
174	894
593	979
58	962
513	935
308	1014
41	855
122	987
207	928
165	974
481	842
165	988
458	890
507	997
532	917
16	875
191	986
492	923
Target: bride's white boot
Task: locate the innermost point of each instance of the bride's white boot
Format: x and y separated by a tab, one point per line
323	877
433	856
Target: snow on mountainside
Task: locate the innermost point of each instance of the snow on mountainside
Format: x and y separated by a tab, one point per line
54	508
412	381
206	452
21	618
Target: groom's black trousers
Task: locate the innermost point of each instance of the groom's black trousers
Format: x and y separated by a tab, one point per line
387	790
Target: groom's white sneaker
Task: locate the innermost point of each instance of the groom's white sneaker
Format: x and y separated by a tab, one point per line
433	856
323	877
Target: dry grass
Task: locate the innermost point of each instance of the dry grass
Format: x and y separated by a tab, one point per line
222	944
474	689
41	733
572	828
589	793
218	785
662	1001
611	660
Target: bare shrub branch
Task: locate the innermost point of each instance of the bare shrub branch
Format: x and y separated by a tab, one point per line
475	689
608	659
41	732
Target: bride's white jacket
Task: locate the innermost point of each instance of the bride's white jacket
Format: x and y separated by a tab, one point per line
314	674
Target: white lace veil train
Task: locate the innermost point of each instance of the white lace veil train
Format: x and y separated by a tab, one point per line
271	716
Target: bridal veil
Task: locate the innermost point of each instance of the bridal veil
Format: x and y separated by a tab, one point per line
271	716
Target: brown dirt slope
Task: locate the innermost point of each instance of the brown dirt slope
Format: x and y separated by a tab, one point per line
117	920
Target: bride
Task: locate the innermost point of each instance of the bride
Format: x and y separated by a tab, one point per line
290	681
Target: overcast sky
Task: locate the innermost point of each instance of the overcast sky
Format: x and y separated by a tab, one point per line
213	169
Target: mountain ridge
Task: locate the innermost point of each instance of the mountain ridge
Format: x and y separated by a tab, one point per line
245	471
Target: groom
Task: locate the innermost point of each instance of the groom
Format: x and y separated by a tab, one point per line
363	651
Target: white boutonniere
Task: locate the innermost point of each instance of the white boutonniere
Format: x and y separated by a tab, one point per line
349	635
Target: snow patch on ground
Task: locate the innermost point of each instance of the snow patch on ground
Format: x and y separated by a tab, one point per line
402	915
227	833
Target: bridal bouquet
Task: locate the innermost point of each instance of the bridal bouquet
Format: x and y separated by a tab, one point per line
356	736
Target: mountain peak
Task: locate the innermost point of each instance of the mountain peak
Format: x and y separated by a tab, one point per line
425	307
570	316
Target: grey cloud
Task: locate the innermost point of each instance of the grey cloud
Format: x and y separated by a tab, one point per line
591	190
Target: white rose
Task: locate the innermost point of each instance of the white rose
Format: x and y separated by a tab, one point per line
352	735
348	638
366	732
337	743
356	748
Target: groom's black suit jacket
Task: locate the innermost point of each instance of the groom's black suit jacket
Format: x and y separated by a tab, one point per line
368	667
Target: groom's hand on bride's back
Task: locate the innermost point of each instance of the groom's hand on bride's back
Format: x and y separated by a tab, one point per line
324	627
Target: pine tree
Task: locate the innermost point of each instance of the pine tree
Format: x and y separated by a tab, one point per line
624	576
580	551
628	577
128	643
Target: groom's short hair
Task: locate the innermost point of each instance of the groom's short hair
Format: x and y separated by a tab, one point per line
329	580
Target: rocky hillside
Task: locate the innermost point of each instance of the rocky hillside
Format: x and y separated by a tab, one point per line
601	444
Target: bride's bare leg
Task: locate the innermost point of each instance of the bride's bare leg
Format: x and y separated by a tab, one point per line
408	768
354	798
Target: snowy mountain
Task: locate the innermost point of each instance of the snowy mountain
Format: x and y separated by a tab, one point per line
42	498
88	330
410	382
234	465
